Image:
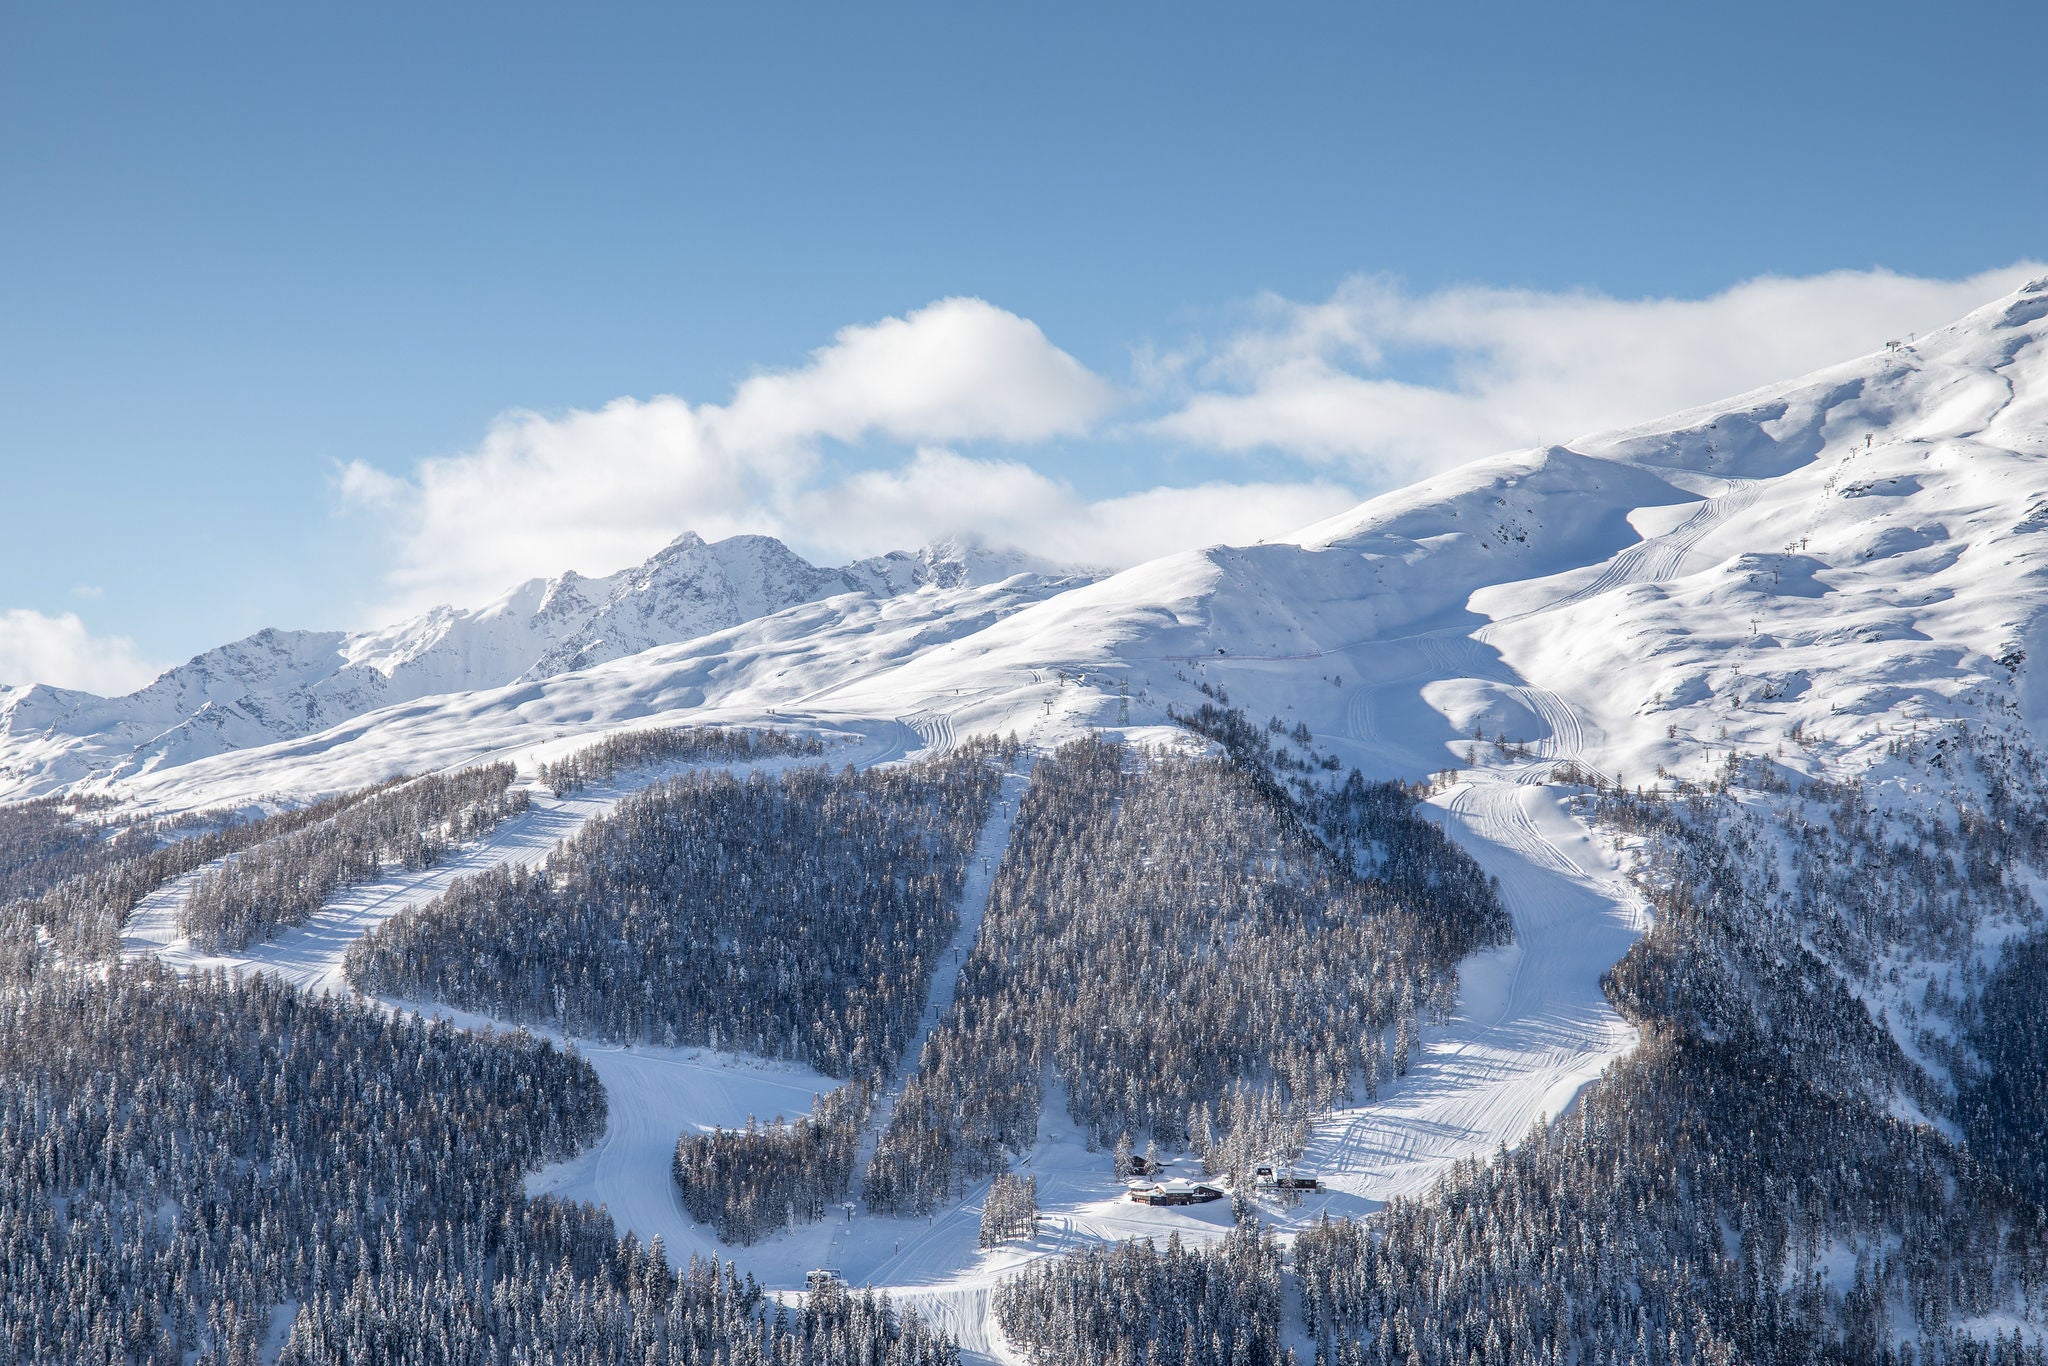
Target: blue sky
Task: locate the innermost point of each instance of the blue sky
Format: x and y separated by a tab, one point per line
258	263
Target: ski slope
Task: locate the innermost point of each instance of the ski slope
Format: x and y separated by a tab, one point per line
1531	1030
1532	1026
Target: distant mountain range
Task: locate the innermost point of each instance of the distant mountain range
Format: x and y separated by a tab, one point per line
280	684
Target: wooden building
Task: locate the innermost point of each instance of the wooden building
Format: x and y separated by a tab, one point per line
1178	1191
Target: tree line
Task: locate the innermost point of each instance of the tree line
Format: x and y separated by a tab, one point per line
48	839
1010	1210
1135	1304
748	1183
225	1170
615	754
199	1152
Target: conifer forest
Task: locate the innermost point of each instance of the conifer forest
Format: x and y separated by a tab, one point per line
1824	1145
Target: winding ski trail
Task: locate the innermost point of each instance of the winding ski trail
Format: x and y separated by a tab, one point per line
1660	559
1532	1026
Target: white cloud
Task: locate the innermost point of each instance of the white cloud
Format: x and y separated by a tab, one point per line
62	652
1008	504
598	490
1511	367
955	370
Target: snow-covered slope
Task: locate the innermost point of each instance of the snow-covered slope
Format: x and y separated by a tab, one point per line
1820	561
1812	562
281	685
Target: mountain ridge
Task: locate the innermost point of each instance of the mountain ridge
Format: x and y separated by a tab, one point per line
280	685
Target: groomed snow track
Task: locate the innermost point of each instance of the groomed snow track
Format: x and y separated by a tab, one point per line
1660	559
1532	1026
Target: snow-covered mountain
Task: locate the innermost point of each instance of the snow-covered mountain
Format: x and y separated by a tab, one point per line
280	685
1828	559
1813	565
